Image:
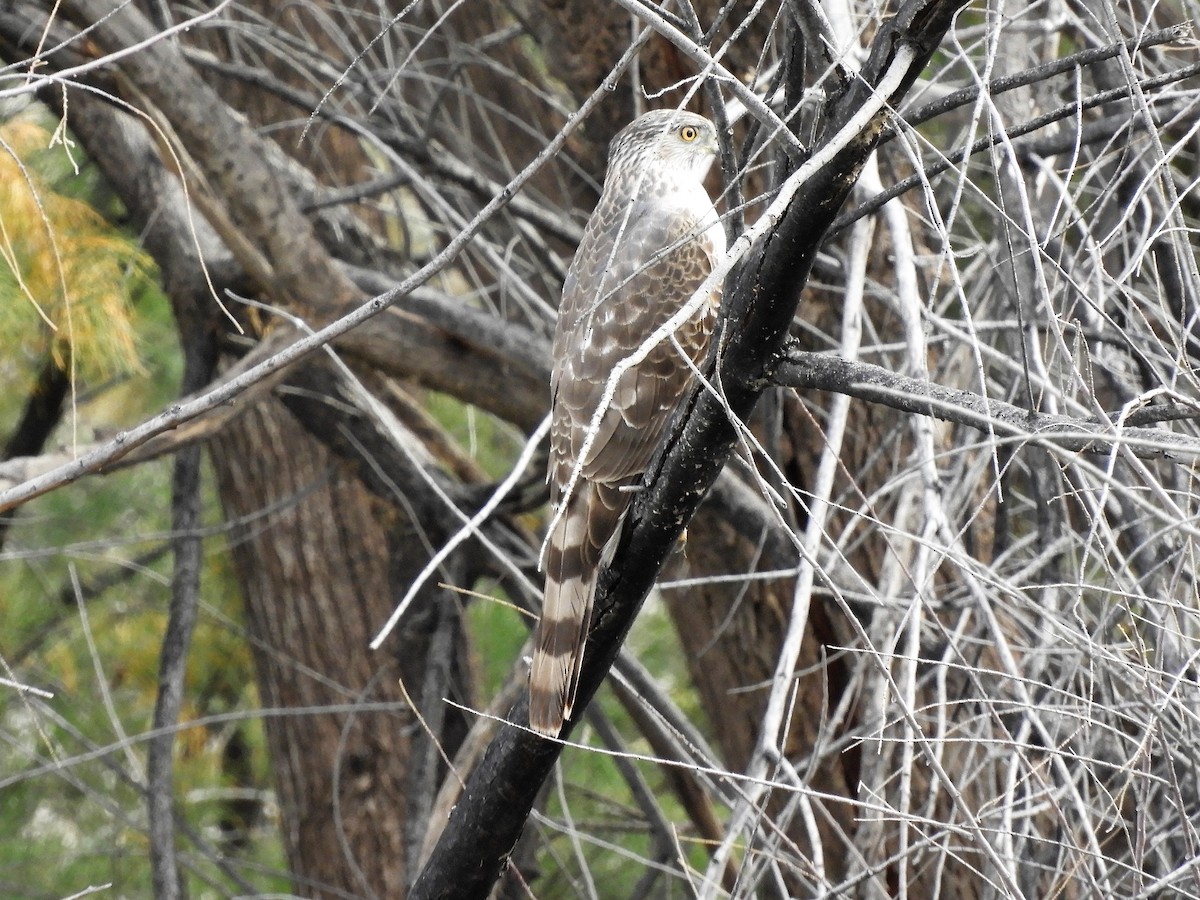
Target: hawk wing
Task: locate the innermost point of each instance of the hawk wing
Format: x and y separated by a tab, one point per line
660	264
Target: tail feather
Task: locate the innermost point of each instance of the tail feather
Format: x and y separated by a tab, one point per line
576	550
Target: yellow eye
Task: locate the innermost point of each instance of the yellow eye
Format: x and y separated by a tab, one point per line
689	133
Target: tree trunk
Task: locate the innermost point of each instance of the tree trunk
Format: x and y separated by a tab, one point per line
317	557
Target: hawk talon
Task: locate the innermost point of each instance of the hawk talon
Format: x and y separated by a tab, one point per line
681	543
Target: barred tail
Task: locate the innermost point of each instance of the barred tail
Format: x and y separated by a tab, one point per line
573	558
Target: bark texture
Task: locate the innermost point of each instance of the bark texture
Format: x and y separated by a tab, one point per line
320	560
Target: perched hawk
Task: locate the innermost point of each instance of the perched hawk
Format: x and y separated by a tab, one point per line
651	241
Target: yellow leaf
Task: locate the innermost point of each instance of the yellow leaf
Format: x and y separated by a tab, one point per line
66	274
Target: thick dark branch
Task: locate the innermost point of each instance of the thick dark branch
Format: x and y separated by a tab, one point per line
200	350
759	307
819	371
43	411
181	622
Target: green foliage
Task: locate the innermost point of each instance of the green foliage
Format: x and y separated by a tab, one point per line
490	443
497	636
101	662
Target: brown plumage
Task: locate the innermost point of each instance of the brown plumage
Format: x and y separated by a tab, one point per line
652	239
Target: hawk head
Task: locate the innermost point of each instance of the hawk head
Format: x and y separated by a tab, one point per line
679	142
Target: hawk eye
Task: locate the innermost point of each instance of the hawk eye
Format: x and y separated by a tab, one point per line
689	133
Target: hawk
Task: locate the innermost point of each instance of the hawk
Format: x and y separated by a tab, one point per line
652	239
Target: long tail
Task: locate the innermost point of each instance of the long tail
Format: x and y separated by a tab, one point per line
576	550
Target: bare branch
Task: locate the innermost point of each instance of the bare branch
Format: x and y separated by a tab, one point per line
819	371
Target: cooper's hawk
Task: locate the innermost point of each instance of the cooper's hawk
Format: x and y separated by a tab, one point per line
651	241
